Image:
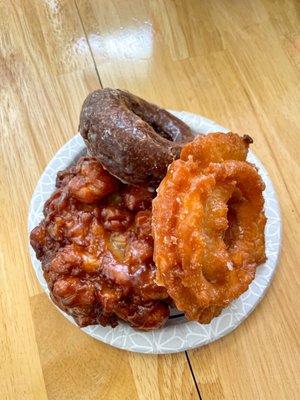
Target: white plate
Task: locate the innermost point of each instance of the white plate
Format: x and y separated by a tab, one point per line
178	334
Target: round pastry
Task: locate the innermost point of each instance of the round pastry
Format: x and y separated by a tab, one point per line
208	224
133	139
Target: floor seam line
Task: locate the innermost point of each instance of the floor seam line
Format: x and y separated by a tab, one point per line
193	375
88	43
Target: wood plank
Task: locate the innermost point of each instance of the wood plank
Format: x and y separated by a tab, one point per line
77	366
36	119
41	96
229	61
47	71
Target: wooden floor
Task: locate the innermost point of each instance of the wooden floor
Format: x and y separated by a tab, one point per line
234	61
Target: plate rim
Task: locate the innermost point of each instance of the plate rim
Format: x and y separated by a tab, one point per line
186	116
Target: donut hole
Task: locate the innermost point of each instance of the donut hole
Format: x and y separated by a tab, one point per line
158	129
232	231
150	120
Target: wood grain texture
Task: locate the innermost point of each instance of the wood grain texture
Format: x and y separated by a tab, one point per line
46	71
38	113
234	61
237	63
77	366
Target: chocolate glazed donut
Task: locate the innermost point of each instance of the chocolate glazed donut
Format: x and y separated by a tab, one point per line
133	139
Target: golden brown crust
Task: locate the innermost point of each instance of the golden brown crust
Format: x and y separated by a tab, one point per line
208	225
217	147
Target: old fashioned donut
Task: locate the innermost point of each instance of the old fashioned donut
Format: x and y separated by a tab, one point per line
208	225
133	139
